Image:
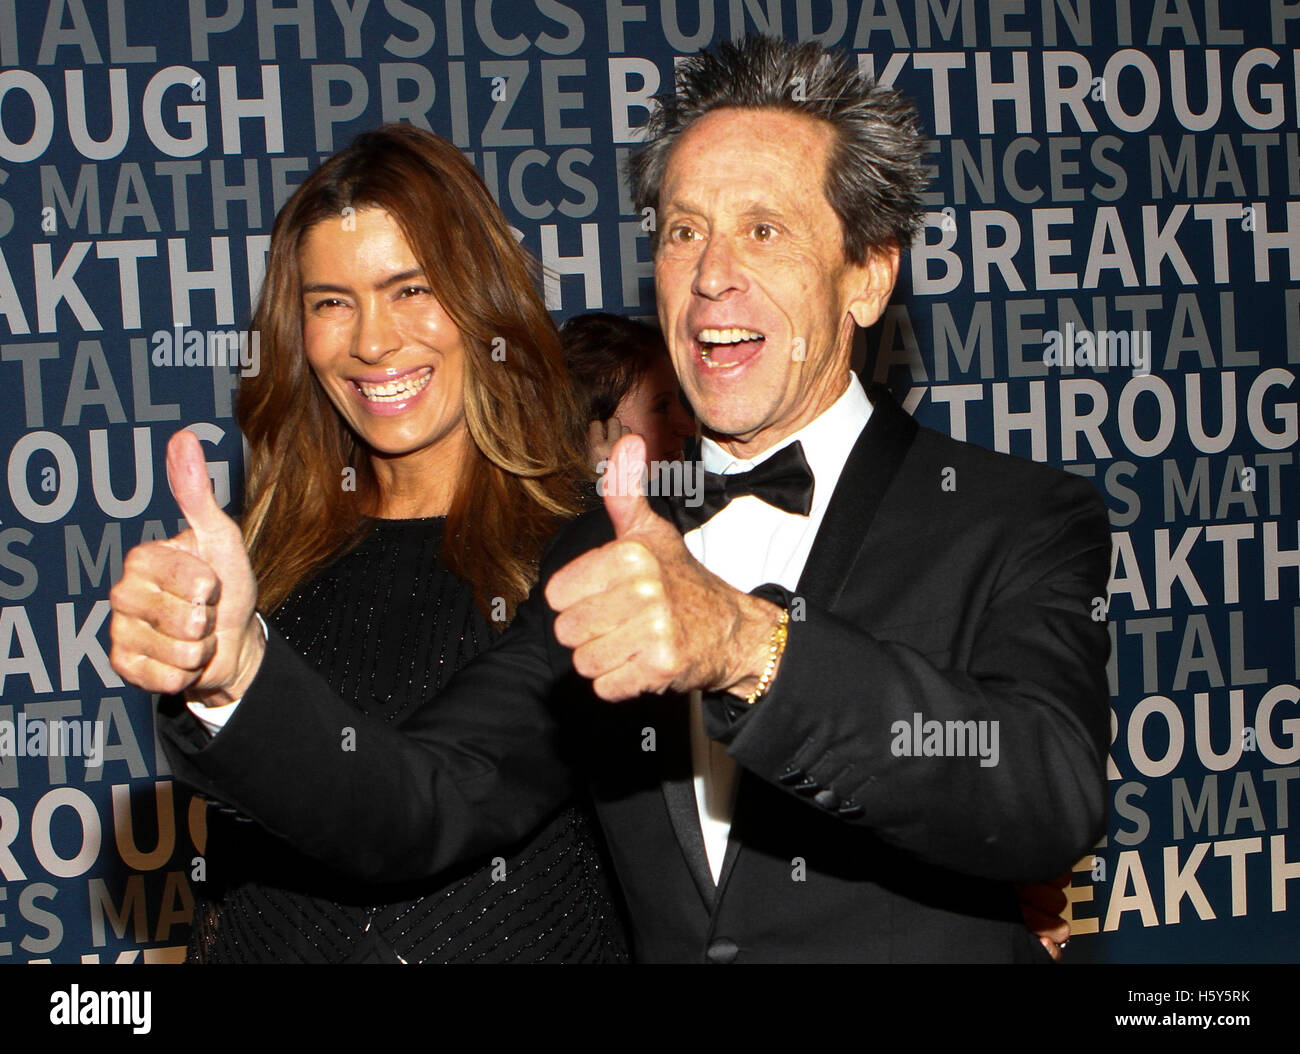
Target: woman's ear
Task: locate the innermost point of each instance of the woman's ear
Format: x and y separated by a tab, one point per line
872	283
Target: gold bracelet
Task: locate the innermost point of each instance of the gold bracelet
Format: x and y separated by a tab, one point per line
777	647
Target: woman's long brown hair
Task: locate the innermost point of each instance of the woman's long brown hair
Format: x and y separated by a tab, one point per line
518	481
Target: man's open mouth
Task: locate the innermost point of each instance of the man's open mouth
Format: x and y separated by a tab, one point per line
728	347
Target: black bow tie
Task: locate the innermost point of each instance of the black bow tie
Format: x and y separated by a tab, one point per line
783	481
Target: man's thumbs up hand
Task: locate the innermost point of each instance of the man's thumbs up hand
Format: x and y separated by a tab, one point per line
642	614
183	611
623	488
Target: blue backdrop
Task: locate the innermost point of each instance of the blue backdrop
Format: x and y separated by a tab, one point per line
1121	176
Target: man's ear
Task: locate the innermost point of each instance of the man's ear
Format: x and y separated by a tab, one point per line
872	284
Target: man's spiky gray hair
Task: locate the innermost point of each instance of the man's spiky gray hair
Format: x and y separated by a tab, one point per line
874	176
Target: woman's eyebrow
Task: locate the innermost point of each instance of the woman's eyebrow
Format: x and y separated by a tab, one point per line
391	280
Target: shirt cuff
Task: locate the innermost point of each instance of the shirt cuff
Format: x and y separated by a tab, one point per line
214	718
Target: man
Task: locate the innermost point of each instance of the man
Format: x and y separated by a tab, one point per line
898	697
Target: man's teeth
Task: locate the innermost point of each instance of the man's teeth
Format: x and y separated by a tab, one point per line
711	339
731	335
395	390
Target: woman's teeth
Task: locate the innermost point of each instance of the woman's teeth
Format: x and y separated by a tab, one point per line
395	390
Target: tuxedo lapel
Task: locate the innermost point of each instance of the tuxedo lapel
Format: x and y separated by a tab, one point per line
867	474
871	467
678	776
734	842
679	796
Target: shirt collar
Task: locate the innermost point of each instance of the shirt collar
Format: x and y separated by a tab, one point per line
827	440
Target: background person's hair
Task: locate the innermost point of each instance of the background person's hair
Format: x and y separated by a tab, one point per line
519	476
607	356
874	175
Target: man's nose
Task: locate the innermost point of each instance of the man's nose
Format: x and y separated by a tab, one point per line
377	333
718	271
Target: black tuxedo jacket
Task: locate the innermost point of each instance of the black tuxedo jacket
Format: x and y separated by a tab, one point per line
946	582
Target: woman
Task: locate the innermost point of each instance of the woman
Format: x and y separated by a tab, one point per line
626	383
413	443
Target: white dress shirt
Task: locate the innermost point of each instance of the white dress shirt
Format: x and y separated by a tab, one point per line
748	543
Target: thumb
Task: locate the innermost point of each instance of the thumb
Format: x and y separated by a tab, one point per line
623	486
187	474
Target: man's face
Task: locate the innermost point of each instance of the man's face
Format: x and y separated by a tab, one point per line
755	296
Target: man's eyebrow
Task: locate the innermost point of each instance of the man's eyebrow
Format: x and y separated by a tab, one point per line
768	210
754	209
678	205
391	280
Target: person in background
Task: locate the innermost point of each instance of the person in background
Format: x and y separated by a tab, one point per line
625	383
394	517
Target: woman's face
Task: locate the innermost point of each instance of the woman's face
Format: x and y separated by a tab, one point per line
653	409
383	348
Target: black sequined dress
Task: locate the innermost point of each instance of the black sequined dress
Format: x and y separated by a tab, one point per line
387	625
